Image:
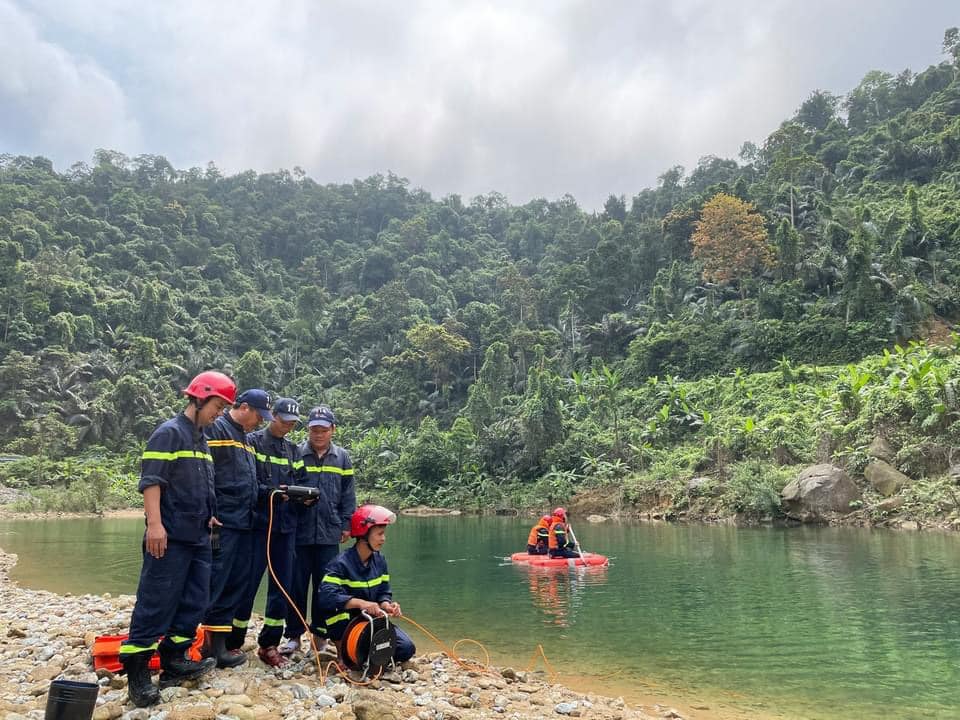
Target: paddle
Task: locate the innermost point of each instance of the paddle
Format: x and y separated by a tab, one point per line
575	541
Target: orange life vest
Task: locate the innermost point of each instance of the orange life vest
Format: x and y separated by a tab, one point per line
558	535
538	532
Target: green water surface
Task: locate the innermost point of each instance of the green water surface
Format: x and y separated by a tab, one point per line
793	623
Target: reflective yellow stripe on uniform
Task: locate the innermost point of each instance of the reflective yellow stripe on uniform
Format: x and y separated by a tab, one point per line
328	468
177	455
273	622
232	443
298	464
127	649
373	582
262	457
337	618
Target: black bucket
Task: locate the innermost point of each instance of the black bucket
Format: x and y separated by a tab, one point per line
71	700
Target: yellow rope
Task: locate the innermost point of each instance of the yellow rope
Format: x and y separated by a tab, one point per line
486	655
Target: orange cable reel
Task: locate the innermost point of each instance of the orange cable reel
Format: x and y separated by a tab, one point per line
368	643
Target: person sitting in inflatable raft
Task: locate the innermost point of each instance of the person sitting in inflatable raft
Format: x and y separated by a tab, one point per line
539	537
357	581
559	545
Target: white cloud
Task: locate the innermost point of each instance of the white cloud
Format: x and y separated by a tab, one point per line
528	99
55	103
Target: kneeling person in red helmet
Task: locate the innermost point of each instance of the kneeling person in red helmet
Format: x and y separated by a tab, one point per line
357	580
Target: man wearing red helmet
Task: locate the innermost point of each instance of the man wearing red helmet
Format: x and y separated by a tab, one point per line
357	580
176	479
559	545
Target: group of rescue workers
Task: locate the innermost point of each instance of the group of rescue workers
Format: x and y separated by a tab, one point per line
550	537
214	499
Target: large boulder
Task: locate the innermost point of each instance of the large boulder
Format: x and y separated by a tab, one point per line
884	478
819	493
881	450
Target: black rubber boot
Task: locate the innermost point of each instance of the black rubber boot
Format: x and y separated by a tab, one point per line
140	688
176	667
215	646
236	638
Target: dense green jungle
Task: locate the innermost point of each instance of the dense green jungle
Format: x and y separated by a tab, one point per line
740	321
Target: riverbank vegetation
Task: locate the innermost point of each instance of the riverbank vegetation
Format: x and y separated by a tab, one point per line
731	325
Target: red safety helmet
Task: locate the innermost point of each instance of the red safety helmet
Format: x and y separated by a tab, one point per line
210	384
560	513
546	518
368	516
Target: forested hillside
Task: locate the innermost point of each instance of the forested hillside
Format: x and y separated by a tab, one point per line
478	351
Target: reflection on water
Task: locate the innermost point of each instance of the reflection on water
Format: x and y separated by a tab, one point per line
558	592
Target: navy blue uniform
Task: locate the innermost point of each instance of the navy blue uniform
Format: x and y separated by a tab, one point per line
235	480
278	463
347	577
173	590
319	526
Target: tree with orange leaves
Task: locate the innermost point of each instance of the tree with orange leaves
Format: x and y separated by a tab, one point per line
731	241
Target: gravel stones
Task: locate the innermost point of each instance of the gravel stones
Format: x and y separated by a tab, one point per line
35	650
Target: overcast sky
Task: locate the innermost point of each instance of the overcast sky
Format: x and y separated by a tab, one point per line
532	99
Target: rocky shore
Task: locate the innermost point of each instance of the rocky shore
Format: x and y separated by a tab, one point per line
44	636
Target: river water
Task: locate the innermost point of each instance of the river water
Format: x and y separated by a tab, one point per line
791	623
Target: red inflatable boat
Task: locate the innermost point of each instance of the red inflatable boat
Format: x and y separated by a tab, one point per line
585	560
